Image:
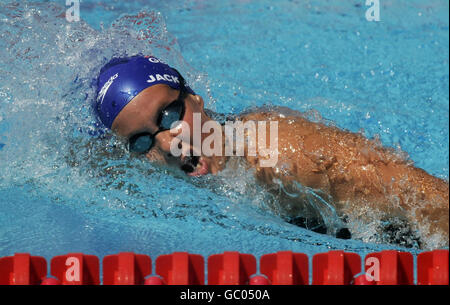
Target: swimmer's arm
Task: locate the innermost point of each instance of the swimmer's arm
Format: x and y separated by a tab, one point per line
362	172
356	172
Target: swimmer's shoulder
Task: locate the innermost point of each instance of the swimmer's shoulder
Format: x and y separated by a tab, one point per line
270	113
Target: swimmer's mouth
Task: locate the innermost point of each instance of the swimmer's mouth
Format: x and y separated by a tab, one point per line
194	166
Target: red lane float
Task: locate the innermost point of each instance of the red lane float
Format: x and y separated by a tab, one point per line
230	268
76	269
335	268
22	269
390	267
363	279
126	268
259	280
432	268
181	268
50	281
285	268
153	280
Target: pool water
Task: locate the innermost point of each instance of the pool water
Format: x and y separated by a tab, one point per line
65	189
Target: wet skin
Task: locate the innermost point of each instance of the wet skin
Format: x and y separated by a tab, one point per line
359	174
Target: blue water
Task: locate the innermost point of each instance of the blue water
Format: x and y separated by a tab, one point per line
62	190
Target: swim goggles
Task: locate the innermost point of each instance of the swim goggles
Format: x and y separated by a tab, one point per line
141	143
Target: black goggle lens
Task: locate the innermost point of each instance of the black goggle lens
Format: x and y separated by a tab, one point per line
171	114
143	142
140	143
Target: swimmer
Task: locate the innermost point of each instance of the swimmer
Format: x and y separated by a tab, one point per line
140	97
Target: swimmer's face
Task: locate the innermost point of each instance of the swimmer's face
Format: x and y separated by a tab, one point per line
141	115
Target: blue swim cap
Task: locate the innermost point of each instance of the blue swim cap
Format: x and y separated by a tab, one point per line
121	79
